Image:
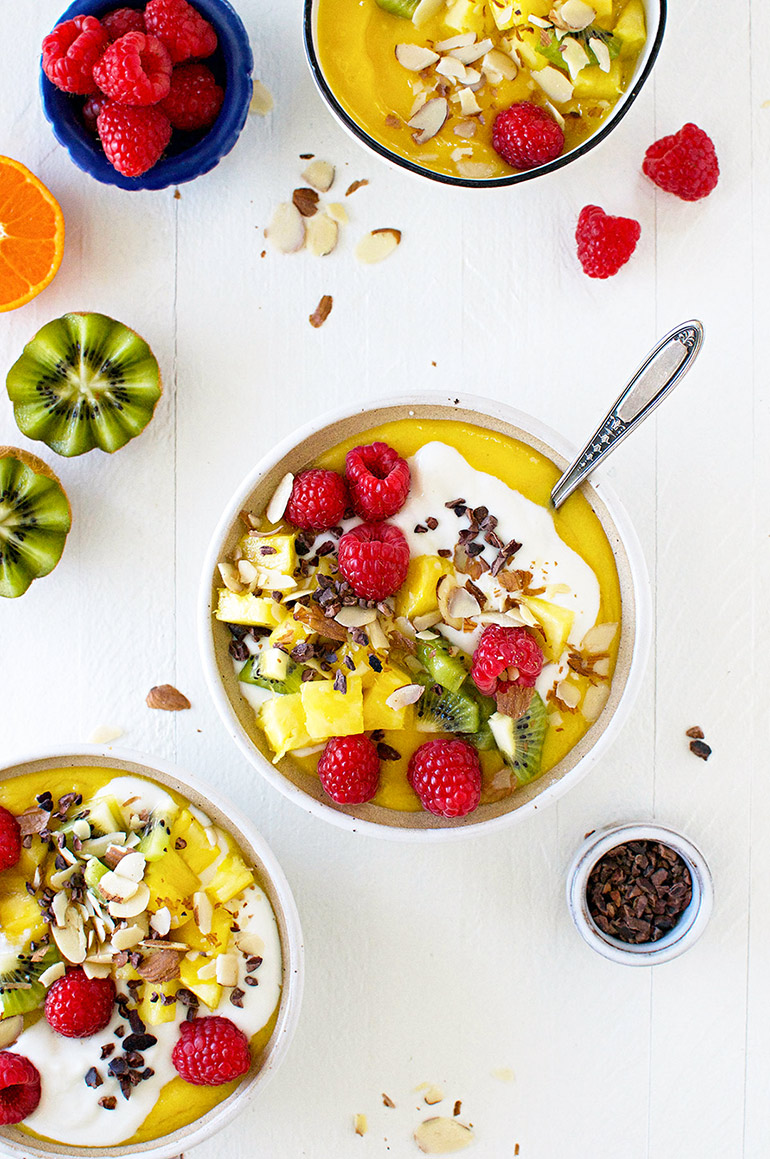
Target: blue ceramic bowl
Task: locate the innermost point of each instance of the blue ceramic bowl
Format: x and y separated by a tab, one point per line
188	154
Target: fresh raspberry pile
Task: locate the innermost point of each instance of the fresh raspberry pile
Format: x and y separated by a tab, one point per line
211	1051
77	1006
349	769
502	648
19	1087
604	243
446	776
378	479
684	164
526	135
125	64
318	500
10	840
374	558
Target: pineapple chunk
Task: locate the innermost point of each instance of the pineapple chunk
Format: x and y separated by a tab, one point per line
593	84
465	16
197	853
208	991
332	713
20	918
377	714
248	609
555	621
526	47
282	719
523	9
631	28
602	8
232	877
171	883
213	943
155	1013
288	633
282	558
417	595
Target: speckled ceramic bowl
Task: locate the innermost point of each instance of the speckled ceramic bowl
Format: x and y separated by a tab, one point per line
302	449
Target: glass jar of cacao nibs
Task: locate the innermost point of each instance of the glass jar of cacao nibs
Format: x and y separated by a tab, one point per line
639	893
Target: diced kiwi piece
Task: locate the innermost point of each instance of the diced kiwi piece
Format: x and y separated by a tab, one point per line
549	46
439	710
253	672
104	816
157	837
35	519
19	971
436	658
84	381
483	739
94	872
521	741
405	8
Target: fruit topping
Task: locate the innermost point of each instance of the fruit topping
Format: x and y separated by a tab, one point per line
35	519
512	654
133	138
10	840
19	1088
211	1051
135	70
604	243
31	235
378	479
182	29
77	1006
521	741
71	51
684	164
122	20
91	109
446	776
85	380
526	135
318	500
374	558
194	99
349	769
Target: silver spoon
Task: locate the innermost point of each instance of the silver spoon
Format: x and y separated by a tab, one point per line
662	369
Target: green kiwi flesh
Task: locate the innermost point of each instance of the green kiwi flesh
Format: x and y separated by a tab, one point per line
84	381
19	971
35	519
439	710
403	8
446	669
521	741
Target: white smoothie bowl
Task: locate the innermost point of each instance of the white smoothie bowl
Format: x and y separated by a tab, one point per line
271	879
300	450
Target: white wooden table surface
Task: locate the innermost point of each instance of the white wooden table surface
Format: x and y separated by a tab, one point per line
454	965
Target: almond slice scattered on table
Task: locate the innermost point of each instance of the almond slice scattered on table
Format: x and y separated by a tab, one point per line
286	230
320	314
442	1136
377	245
319	174
261	99
167	698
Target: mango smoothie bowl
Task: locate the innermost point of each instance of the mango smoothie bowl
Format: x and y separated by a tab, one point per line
481	92
150	958
404	637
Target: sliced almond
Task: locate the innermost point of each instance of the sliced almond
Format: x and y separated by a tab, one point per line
433	1095
203	911
514	700
415	57
430	120
445	588
277	505
32	821
286	231
427	621
208	972
599	638
469	106
96	970
306	201
594	701
576	14
261	99
81	829
59	879
538	21
356	617
227	969
555	719
405	695
115	887
134	906
554	84
568	693
167	698
462	604
460	41
128	937
51	975
230	577
322	234
161	966
601	52
360	1124
249	943
442	1136
452	69
161	921
602	666
59	907
316	320
378	245
337	212
425	11
133	865
71	942
11	1028
575	56
467	54
465	129
475	170
377	637
319	174
247	572
499	66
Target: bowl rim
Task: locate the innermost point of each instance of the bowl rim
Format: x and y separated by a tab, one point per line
202	156
693	920
394	159
639	582
244	829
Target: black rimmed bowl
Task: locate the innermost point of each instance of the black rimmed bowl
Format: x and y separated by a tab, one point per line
655	11
189	155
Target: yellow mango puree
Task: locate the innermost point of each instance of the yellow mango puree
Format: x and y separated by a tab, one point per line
179	1103
356	44
524	469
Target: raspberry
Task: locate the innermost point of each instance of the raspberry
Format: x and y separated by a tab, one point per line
122	20
133	138
183	30
500	648
378	479
211	1051
77	1006
374	558
349	769
19	1087
194	99
71	51
526	135
446	776
604	243
10	840
318	500
135	70
91	109
684	164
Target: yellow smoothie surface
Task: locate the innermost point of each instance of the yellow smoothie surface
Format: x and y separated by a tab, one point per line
203	938
471	59
559	585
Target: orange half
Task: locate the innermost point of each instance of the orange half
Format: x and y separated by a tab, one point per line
31	235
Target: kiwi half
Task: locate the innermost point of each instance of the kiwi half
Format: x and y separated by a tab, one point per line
84	381
521	741
20	990
440	710
35	518
404	8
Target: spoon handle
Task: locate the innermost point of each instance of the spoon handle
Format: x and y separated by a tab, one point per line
660	372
